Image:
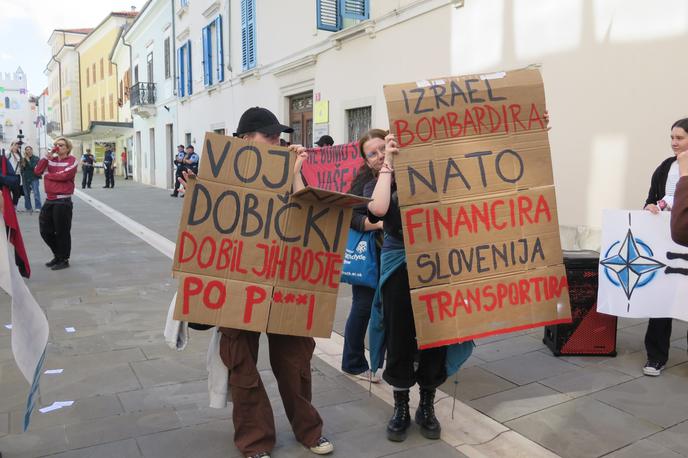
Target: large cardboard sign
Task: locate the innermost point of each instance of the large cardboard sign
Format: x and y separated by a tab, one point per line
475	185
643	273
249	254
332	167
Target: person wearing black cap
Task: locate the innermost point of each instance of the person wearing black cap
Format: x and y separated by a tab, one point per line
290	356
325	140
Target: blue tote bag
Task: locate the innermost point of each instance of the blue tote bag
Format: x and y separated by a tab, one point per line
360	265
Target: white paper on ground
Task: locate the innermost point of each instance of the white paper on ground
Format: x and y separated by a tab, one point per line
8	326
70	329
53	371
55	406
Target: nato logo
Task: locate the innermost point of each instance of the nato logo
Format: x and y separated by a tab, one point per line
630	264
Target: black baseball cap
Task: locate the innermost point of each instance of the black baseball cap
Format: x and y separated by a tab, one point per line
261	120
325	140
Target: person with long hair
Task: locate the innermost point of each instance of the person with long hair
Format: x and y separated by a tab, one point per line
371	146
406	364
662	196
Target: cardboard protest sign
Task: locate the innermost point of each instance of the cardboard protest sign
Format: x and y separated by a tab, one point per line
476	190
643	273
249	254
332	167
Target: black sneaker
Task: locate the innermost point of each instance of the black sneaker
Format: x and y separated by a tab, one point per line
52	262
173	195
260	455
60	265
653	368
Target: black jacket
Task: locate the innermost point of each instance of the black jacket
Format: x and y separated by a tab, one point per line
364	175
658	183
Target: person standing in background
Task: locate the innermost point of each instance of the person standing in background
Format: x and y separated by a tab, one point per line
87	163
125	163
30	181
15	160
109	167
179	169
55	220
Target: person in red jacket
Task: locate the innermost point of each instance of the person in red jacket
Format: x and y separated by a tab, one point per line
55	220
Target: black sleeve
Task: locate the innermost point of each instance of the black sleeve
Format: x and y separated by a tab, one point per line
653	194
368	192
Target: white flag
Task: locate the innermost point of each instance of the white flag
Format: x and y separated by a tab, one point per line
29	324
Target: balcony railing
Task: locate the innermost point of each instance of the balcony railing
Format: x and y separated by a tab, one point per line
53	127
142	94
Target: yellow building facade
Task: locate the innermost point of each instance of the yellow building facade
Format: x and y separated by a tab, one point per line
98	76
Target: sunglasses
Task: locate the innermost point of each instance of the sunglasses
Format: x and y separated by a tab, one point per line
60	144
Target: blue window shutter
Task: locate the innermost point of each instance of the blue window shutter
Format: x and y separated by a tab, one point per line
327	15
181	81
355	9
220	54
244	36
207	59
189	77
251	32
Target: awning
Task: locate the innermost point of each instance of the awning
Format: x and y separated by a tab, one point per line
103	131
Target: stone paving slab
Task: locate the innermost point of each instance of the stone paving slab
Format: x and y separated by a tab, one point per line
519	401
121	449
674	438
583	427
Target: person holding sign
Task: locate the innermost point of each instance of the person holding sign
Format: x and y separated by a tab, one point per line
406	365
679	215
290	356
662	197
372	149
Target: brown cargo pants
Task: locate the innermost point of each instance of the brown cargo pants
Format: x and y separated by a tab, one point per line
290	358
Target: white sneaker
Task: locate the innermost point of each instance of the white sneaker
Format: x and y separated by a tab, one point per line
368	377
323	447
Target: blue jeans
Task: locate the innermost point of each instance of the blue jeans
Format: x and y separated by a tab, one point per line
353	355
34	187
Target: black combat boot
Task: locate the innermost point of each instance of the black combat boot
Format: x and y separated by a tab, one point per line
425	415
401	420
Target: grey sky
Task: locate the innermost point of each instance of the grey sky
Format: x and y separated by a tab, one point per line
25	26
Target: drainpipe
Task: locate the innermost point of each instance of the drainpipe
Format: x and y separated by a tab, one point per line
173	51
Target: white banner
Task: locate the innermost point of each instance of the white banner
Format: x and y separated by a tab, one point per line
642	272
29	324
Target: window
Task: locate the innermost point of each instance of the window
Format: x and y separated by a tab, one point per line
93	72
331	14
127	84
109	68
187	138
185	86
88	116
112	107
168	67
213	70
149	65
88	77
102	69
358	122
102	108
248	34
184	3
136	74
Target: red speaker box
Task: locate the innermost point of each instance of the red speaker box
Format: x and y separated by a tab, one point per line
590	333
